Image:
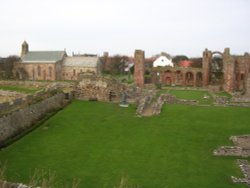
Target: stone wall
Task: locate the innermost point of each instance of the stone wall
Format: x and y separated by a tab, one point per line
22	119
144	101
26	100
36	71
5	184
241	148
93	87
245	169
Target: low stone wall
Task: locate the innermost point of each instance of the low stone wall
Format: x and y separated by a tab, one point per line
221	100
170	99
93	87
241	148
26	100
20	120
228	151
24	83
245	169
5	184
241	100
144	100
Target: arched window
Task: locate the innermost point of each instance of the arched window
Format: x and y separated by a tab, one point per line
39	70
74	72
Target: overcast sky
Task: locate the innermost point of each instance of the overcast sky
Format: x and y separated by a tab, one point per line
121	26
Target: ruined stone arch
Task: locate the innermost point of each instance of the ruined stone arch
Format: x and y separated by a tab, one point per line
168	77
216	64
189	78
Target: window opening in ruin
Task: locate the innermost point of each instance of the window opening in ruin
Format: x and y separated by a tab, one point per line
216	70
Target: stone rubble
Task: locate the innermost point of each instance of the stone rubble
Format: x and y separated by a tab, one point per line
5	184
221	100
144	101
242	149
245	169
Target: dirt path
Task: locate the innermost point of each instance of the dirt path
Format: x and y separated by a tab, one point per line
148	111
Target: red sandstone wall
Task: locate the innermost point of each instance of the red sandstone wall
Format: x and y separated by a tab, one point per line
139	68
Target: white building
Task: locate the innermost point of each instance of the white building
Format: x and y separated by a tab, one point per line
163	61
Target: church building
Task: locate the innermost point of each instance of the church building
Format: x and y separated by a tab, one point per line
53	65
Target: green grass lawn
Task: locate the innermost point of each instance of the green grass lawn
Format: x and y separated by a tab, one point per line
191	95
21	89
100	142
224	94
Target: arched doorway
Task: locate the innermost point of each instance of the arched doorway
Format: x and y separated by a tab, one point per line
189	79
216	69
167	77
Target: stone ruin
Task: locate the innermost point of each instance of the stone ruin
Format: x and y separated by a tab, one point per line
93	87
144	102
221	100
98	88
241	149
148	101
245	169
8	96
5	184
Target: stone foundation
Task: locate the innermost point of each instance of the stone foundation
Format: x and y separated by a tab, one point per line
23	119
241	149
245	169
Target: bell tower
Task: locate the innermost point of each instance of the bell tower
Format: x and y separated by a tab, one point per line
25	48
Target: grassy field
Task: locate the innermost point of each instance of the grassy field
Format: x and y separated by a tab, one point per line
100	142
21	89
190	95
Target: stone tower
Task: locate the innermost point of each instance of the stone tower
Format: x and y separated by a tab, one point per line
207	56
229	71
139	68
25	48
247	73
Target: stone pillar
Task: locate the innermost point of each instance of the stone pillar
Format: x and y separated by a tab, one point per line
207	56
195	79
139	70
247	74
229	70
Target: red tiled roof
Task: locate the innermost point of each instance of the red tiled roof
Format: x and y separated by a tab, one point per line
185	63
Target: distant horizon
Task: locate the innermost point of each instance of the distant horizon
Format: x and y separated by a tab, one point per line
120	54
177	27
